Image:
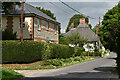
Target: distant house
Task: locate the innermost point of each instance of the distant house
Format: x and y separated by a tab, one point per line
84	31
37	25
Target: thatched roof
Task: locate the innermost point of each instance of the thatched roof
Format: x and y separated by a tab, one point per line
84	31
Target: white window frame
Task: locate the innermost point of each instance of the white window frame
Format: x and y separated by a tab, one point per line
20	23
39	26
55	28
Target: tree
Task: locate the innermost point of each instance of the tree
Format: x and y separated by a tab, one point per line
94	29
90	26
63	40
109	32
47	12
76	39
8	5
76	20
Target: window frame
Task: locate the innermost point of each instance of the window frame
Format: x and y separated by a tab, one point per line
23	23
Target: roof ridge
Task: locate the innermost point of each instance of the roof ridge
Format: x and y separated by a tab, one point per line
40	11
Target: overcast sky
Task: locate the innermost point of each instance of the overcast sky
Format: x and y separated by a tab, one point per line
94	9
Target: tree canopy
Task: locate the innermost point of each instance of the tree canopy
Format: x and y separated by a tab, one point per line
109	32
76	39
109	29
47	12
76	20
8	5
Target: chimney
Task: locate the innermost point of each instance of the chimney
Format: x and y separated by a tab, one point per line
97	29
71	26
82	21
12	8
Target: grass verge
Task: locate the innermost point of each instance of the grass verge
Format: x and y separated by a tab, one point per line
10	75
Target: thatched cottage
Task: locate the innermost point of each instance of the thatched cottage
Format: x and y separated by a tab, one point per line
84	31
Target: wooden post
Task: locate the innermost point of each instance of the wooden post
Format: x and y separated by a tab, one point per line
97	29
21	29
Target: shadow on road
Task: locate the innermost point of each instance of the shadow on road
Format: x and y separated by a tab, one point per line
50	78
105	69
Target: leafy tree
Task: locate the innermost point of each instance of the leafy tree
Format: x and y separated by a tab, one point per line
8	5
63	40
75	39
47	12
94	29
90	26
76	20
109	32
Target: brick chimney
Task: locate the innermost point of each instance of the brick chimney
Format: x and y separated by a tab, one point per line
82	21
97	29
71	26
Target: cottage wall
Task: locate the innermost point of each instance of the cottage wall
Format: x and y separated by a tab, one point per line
4	22
13	24
46	30
42	28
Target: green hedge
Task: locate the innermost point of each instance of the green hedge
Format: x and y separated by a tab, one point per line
30	51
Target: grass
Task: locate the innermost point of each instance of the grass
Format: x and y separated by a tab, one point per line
10	75
41	65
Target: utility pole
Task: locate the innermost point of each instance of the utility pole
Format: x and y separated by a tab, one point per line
97	27
98	36
21	28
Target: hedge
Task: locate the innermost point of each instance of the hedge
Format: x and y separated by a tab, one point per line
30	51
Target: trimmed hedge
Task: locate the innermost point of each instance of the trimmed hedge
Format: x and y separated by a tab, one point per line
30	51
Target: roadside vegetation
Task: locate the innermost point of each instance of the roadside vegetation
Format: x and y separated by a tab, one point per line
109	32
10	75
49	64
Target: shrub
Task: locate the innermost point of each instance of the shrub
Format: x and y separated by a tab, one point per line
30	51
67	60
63	40
17	52
82	57
77	59
55	62
8	35
60	51
78	51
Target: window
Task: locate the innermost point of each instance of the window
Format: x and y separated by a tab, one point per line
35	21
47	25
39	24
55	29
23	23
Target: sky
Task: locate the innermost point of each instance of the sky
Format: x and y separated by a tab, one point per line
92	8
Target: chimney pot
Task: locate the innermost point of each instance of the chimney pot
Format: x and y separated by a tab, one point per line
82	21
97	29
71	26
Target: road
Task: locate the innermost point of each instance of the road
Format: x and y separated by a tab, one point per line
99	68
